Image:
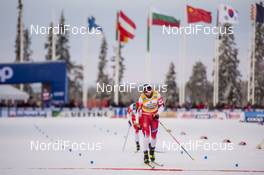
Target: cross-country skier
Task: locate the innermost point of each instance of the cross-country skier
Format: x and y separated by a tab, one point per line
135	121
150	105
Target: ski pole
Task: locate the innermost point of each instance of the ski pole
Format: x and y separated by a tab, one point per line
126	138
176	140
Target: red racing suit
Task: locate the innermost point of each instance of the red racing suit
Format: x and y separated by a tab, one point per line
149	108
132	117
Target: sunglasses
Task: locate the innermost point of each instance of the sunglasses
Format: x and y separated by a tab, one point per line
148	88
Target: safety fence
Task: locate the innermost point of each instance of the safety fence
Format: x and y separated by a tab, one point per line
248	116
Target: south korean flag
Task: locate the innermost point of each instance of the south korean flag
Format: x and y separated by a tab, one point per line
227	14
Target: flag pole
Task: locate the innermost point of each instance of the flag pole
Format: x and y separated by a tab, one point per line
21	36
250	54
183	66
251	81
53	45
216	73
21	53
84	87
248	76
148	59
85	68
216	67
253	63
117	60
182	61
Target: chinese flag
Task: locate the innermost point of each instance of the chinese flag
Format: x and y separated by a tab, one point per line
198	15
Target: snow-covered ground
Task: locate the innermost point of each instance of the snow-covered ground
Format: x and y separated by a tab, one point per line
107	135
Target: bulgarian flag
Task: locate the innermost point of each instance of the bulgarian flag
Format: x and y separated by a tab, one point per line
160	20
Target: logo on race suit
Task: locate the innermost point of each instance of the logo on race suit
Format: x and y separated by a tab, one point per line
6	73
151	104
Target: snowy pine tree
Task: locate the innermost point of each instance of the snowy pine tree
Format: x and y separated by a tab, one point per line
198	86
121	64
76	82
259	65
121	73
27	43
62	44
74	72
19	23
229	75
102	77
123	96
122	68
48	44
171	94
27	52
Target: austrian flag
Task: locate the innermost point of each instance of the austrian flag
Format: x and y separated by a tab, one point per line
126	27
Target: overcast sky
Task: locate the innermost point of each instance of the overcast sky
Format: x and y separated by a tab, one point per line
164	49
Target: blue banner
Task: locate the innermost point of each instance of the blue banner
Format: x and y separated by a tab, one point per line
254	116
54	73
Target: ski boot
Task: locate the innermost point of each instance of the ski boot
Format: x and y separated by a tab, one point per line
151	154
138	146
146	157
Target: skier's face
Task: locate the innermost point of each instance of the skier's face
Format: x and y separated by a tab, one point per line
148	91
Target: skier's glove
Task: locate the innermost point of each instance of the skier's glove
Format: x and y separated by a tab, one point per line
129	122
136	124
156	116
139	127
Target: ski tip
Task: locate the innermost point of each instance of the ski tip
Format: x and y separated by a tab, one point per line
151	166
158	164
